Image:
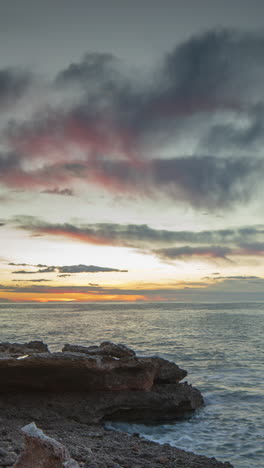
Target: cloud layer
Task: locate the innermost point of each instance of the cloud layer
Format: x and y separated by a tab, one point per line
223	289
65	269
191	131
208	245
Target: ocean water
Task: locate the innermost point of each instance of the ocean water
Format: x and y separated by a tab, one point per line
220	345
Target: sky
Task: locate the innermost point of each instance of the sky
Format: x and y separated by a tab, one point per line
131	150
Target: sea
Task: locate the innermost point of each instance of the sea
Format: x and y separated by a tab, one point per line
220	345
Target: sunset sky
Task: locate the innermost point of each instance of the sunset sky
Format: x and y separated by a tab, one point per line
131	150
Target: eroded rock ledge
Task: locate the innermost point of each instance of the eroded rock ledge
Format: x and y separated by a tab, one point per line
111	382
69	393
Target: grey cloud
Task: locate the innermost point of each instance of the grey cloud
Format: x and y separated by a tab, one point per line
49	269
68	269
219	67
94	68
252	246
115	115
208	181
87	269
24	272
56	191
172	253
239	278
140	235
13	84
8	161
39	265
202	181
242	134
32	280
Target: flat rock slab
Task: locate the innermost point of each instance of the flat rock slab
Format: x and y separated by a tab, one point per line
108	367
106	382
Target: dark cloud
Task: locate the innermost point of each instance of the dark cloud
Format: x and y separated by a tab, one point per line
257	247
142	235
118	128
69	269
56	191
39	265
87	269
93	70
208	181
32	280
13	85
24	272
9	161
219	68
174	253
226	244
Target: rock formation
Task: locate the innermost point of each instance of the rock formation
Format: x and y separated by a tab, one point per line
70	393
111	381
41	451
18	349
106	348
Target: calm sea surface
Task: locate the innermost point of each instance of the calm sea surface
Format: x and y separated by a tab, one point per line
220	345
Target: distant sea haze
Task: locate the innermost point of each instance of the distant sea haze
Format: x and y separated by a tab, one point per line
220	345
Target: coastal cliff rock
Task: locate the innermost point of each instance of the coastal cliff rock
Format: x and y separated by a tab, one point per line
41	451
70	393
110	380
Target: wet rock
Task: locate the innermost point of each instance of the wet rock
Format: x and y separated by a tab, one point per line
20	349
41	451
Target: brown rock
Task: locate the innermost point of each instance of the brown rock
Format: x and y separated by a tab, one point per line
103	386
163	460
41	451
77	371
61	372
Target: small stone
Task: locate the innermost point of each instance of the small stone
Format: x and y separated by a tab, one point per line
135	448
163	460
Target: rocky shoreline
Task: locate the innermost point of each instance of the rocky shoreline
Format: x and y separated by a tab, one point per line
70	394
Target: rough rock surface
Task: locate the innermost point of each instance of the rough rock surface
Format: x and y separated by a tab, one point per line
92	446
125	387
106	348
96	383
68	393
163	403
41	451
18	349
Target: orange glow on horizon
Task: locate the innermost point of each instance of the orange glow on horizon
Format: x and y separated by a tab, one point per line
71	297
